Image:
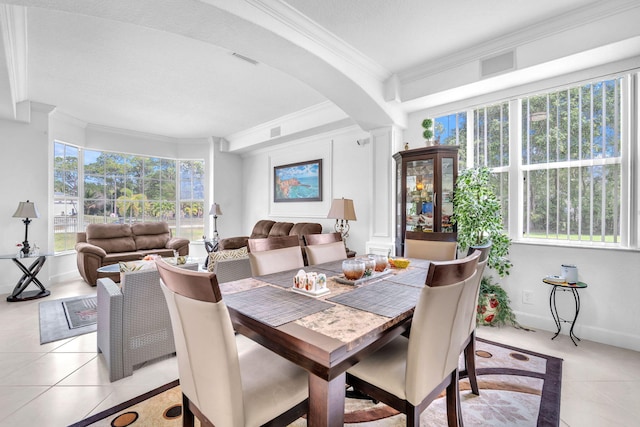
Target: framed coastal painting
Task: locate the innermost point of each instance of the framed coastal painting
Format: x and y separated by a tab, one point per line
298	182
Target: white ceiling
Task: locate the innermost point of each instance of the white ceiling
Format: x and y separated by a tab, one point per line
166	67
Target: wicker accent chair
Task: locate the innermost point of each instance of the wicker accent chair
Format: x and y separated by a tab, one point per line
220	385
133	322
409	373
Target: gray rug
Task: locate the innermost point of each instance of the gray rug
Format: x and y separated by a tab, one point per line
67	317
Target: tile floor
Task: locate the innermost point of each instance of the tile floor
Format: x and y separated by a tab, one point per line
60	383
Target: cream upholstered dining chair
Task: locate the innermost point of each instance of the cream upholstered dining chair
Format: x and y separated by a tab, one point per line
325	247
270	243
273	261
220	385
430	246
409	373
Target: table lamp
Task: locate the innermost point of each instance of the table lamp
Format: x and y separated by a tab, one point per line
26	210
215	211
343	211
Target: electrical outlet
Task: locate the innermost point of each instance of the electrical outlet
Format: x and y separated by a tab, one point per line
527	297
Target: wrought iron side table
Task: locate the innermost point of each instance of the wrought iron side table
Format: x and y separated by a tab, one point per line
565	287
28	277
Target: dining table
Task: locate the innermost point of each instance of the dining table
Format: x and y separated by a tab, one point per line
326	334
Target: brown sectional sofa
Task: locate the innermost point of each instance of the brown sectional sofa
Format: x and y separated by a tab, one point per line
104	244
267	228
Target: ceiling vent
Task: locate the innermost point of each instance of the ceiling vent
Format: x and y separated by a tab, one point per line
245	58
497	64
275	132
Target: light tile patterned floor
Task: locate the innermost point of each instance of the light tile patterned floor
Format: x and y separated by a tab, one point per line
60	383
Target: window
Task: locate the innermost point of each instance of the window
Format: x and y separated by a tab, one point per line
124	188
572	163
65	196
452	130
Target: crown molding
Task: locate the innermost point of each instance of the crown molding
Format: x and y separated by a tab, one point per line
13	26
588	14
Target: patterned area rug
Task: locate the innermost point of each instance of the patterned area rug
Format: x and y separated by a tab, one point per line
67	317
517	387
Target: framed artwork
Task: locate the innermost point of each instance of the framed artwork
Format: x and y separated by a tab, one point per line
298	182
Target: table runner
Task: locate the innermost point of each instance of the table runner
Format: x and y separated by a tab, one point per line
274	306
420	263
413	277
384	298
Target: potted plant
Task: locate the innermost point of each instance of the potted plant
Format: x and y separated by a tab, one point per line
427	124
478	216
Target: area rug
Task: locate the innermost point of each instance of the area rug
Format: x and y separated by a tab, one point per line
517	387
67	317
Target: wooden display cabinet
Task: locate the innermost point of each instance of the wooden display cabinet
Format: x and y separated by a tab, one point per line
424	201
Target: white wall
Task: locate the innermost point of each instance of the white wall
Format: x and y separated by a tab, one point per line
346	169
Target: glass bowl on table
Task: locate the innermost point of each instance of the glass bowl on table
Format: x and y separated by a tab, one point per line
353	269
381	262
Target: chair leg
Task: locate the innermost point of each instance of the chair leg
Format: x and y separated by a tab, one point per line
454	413
413	416
470	362
188	419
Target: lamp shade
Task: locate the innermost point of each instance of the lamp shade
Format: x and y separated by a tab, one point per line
215	210
26	210
342	209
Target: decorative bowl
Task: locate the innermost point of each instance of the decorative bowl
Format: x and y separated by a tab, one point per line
399	262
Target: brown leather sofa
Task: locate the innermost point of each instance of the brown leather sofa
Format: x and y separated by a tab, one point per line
105	244
267	228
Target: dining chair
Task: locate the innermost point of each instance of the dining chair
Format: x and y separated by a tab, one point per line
326	252
273	261
469	346
409	373
432	250
322	238
274	242
221	385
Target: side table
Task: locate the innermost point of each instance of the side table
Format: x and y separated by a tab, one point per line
28	277
565	287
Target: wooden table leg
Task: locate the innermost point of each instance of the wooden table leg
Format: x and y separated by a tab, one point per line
326	401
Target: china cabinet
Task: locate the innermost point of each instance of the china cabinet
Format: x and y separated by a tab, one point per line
424	200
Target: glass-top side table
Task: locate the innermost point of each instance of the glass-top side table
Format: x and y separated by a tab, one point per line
566	287
28	277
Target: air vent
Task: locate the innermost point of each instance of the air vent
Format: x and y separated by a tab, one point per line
275	132
498	64
245	58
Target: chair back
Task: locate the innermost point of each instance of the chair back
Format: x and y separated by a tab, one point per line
432	250
273	261
437	332
327	252
274	242
206	350
447	272
322	238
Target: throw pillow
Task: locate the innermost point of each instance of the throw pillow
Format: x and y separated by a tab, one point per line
128	266
226	254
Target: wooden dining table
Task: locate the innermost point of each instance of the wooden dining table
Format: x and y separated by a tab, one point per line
326	335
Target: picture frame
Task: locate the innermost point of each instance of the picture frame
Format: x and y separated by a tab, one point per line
298	182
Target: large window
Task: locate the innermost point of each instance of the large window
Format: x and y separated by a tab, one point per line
124	188
571	162
65	196
570	148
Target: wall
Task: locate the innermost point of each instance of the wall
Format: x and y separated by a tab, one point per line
346	168
27	150
24	175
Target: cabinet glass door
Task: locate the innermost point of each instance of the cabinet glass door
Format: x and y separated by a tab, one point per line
420	195
446	201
